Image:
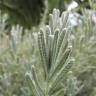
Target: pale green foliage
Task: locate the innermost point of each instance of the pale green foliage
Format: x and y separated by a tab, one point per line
54	49
57	61
73	85
84	52
2	23
15	60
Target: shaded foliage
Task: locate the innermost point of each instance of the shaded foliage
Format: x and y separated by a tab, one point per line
27	13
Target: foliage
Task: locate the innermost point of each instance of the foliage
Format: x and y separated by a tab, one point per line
25	13
29	13
15	60
84	51
60	4
57	61
54	49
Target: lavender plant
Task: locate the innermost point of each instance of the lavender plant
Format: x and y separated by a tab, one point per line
57	61
55	49
15	59
84	52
